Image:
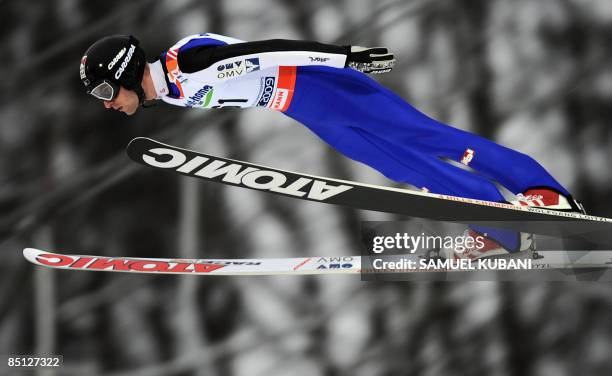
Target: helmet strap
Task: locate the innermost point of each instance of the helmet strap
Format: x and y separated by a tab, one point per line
142	100
141	95
147	104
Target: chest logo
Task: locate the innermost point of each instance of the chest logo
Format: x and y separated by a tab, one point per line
267	91
237	68
252	65
201	97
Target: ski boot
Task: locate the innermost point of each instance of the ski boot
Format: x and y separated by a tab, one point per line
480	245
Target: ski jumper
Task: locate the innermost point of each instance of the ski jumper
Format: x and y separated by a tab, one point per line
354	114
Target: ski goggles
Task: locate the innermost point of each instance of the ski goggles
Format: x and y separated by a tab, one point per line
104	90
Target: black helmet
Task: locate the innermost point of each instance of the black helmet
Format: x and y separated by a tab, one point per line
111	62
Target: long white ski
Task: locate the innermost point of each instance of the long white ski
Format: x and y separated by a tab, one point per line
290	266
258	266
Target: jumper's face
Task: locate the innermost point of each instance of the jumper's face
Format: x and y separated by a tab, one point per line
126	101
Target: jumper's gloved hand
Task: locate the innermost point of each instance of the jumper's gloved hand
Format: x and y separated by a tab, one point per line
374	60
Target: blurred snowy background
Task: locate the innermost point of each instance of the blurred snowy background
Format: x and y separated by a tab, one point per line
535	75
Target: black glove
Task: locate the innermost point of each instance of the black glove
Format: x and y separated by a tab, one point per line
373	60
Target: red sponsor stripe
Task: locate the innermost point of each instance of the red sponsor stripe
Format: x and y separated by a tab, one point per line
171	67
178	84
301	264
286	80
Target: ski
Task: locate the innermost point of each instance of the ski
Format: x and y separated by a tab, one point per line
228	267
550	260
439	207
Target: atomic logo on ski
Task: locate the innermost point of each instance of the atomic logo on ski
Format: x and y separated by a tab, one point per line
121	264
239	174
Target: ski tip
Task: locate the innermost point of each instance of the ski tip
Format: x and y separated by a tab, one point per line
137	140
30	254
139	145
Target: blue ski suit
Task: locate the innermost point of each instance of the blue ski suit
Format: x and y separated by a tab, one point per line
351	112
